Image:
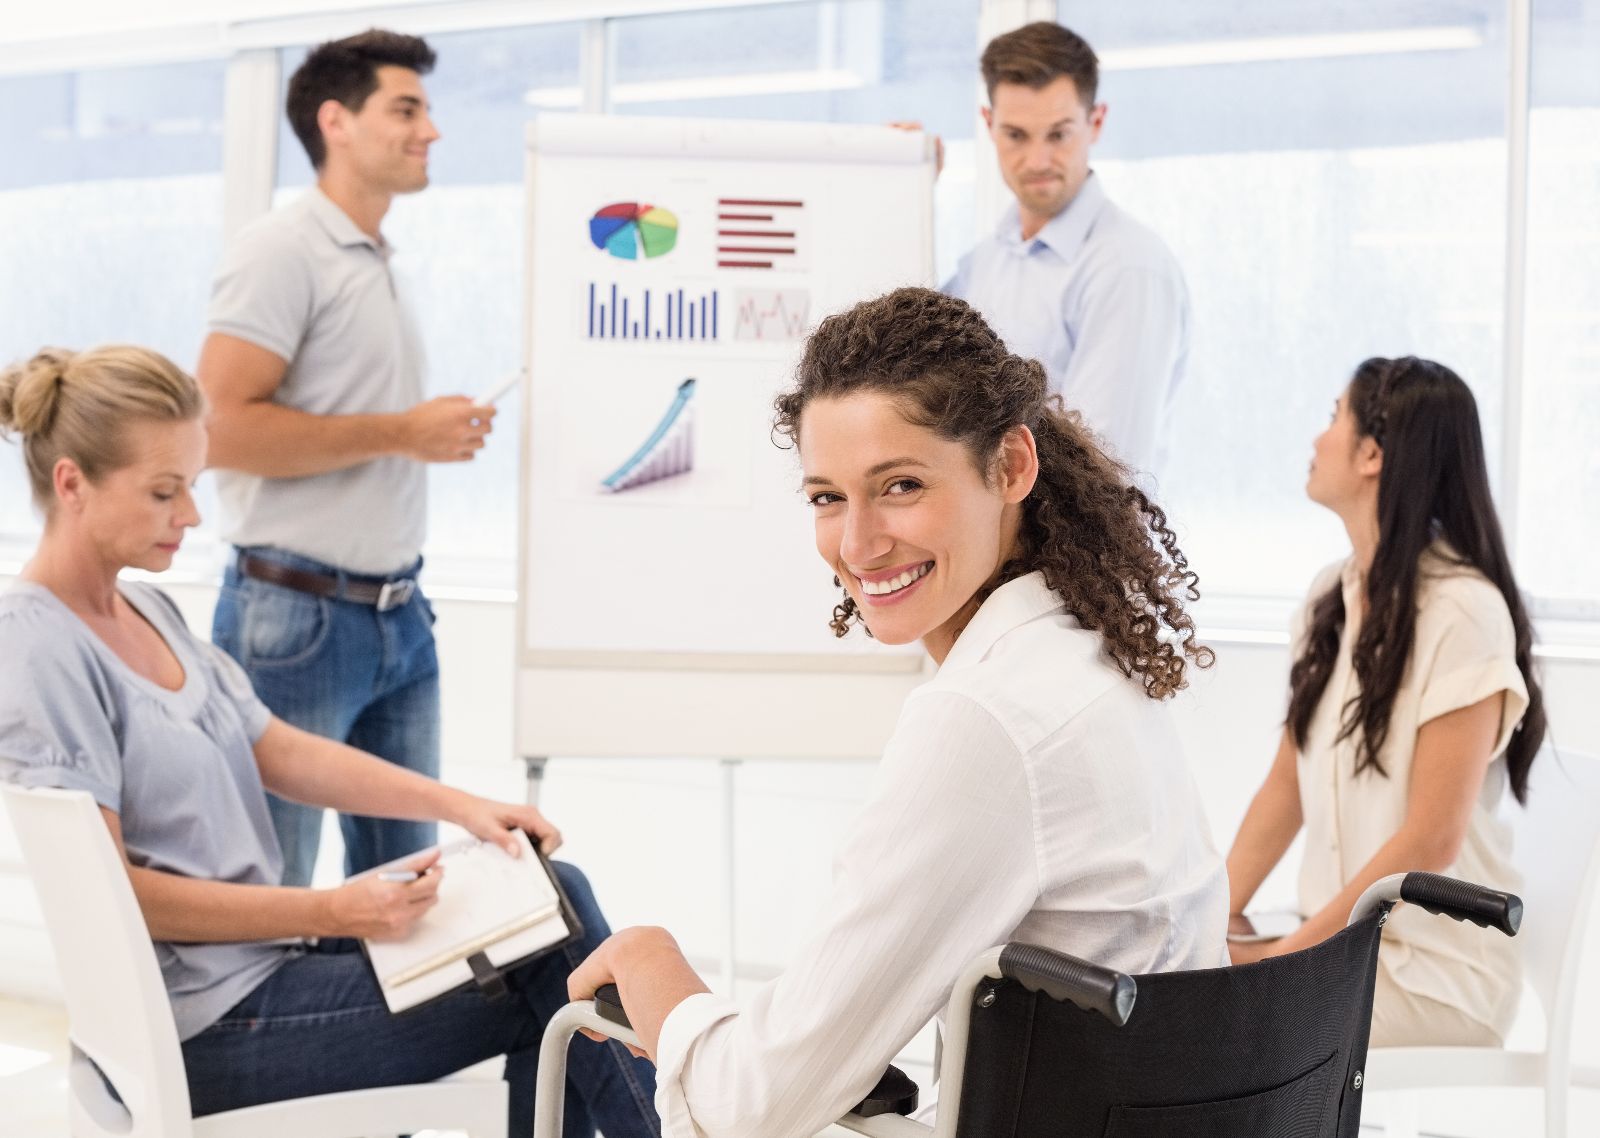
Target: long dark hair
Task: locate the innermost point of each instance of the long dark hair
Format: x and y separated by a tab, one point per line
1102	545
1434	485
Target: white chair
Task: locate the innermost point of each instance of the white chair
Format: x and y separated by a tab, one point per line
119	1019
1557	851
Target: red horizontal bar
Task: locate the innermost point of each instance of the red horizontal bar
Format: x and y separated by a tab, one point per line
763	204
744	264
749	249
755	233
744	217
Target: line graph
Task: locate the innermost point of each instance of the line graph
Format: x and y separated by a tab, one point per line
770	313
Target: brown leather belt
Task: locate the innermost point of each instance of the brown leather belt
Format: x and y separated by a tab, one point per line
382	595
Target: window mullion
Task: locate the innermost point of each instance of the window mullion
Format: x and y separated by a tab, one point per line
249	137
595	70
1519	41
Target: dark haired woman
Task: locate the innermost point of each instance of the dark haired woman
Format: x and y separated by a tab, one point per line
1412	705
1033	790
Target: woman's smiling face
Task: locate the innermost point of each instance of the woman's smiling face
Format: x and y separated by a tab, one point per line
904	517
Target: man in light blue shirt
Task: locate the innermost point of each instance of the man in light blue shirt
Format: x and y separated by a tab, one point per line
1068	278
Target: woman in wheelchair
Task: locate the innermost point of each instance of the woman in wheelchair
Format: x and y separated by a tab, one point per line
103	689
1412	705
1035	789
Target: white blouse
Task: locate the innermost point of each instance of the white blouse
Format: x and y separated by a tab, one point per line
1030	792
1464	651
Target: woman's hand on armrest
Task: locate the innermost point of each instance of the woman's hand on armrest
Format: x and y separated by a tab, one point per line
651	976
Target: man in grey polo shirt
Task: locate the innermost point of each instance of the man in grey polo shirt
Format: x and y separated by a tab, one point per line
320	433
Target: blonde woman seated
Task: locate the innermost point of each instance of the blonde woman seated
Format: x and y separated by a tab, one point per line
103	689
1413	705
1034	790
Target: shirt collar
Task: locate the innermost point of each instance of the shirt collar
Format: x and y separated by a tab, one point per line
338	223
1349	576
1012	605
1439	556
1064	233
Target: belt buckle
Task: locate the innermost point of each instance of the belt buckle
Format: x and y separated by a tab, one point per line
395	593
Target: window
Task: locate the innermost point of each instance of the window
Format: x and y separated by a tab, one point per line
110	220
459	248
1558	544
1332	180
1331	177
857	61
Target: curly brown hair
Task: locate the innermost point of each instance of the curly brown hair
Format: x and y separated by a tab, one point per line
1102	545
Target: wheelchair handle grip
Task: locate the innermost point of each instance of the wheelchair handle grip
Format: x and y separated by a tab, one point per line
608	1005
894	1094
1463	901
1061	977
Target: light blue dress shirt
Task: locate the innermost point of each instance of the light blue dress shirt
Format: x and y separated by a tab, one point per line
1100	301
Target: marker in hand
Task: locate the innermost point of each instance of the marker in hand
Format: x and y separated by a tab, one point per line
406	876
500	390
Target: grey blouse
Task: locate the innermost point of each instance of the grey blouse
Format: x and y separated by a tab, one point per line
177	767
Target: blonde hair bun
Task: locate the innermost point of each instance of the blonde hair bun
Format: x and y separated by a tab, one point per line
30	392
78	405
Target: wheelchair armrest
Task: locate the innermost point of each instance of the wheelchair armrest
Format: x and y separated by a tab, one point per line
580	1015
894	1094
1062	977
1463	901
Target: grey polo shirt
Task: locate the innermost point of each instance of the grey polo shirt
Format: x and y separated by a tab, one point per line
178	768
306	284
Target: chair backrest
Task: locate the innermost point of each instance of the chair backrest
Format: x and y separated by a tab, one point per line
1557	850
1271	1050
118	1014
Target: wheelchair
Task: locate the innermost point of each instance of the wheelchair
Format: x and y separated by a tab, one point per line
1039	1044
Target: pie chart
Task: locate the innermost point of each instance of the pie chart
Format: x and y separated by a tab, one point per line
632	230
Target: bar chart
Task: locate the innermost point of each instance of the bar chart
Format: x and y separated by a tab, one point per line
760	233
618	312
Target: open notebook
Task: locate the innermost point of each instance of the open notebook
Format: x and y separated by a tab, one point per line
494	912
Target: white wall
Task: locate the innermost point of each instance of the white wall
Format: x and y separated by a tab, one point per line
647	830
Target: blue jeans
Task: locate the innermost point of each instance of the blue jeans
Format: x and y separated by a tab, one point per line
319	1025
345	671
